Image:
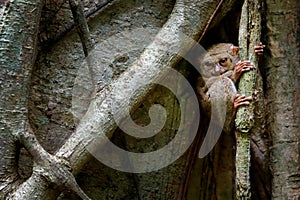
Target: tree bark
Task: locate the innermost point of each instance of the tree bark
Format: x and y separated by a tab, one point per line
19	29
17	55
282	74
249	37
188	17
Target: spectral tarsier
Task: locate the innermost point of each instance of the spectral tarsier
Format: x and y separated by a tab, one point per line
220	70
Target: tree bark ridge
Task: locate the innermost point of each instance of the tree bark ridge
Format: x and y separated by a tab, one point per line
18	35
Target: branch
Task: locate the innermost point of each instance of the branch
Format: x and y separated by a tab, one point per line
154	60
249	36
188	17
81	25
52	168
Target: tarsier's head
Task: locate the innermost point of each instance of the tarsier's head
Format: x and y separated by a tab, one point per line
219	59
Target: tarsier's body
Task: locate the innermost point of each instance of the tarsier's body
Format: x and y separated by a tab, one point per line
220	69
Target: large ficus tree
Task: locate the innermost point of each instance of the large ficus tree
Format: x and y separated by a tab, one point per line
31	56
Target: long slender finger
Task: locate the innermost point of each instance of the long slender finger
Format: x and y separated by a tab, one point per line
259	51
239	96
240	68
243	64
244	103
246	69
260	46
242	98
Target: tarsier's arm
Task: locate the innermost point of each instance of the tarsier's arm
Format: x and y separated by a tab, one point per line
245	66
240	68
222	87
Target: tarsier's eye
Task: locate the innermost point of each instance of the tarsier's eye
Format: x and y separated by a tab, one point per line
223	61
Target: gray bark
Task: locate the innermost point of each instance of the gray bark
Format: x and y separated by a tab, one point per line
188	17
282	74
18	33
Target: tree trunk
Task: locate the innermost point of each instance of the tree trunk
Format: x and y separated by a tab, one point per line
211	177
282	86
179	22
19	29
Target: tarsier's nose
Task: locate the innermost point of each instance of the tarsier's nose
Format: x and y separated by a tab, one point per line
218	69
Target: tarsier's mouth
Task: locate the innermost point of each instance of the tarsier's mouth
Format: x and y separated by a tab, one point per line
219	69
219	72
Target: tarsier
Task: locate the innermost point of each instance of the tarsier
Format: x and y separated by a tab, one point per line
220	70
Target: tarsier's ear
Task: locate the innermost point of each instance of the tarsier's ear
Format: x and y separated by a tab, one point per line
234	50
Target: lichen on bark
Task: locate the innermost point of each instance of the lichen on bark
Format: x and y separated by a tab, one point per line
249	37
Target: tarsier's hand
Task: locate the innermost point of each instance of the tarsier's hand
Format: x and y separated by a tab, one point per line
241	100
240	68
259	50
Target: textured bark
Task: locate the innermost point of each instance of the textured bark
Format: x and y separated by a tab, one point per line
81	25
249	36
188	17
179	22
53	85
214	173
53	169
213	177
57	19
282	74
160	184
19	28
